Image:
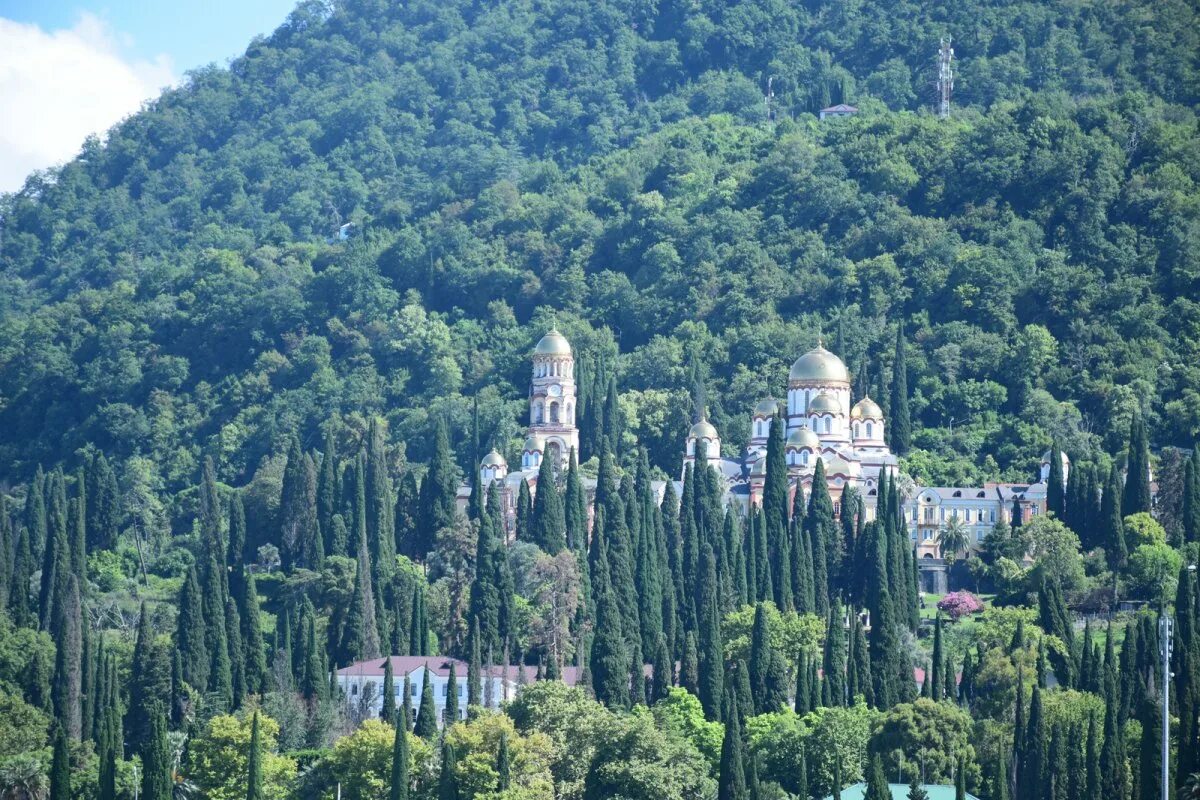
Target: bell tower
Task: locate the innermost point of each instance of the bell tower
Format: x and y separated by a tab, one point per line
552	397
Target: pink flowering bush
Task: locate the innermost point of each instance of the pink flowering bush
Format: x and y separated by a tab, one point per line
959	604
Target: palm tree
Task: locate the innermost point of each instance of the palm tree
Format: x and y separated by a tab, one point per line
953	539
22	778
1191	788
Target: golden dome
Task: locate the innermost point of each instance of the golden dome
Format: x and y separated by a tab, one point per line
703	430
824	403
535	443
553	344
819	365
866	408
836	465
493	459
766	408
803	437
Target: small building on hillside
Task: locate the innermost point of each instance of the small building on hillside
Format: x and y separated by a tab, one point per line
840	110
900	792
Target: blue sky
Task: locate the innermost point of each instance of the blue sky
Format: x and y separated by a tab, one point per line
69	68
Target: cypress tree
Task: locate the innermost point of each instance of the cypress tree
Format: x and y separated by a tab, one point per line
56	559
1034	757
209	516
612	415
664	669
648	577
236	552
960	780
407	713
60	767
775	512
77	528
548	520
361	635
220	671
149	683
254	654
709	647
381	532
405	519
915	790
1186	667
327	493
890	673
689	665
1114	770
877	785
35	513
387	711
523	519
833	686
1112	522
900	423
1092	759
819	523
484	604
1150	752
17	600
419	627
296	514
1015	517
448	778
1191	499
474	667
760	659
426	724
254	775
1136	498
103	508
858	666
451	708
609	658
437	494
937	688
68	663
503	763
732	777
399	789
156	760
575	506
237	659
1056	501
803	702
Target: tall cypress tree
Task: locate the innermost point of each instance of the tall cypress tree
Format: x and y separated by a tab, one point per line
60	767
426	724
484	604
1034	757
103	508
1186	667
297	509
387	711
474	666
775	512
220	670
381	532
1112	522
1092	758
156	760
254	773
689	665
361	634
68	663
936	687
1191	498
405	516
399	789
448	777
1150	752
450	710
1114	769
1136	498
760	659
149	683
731	783
237	657
858	666
254	654
877	785
523	520
833	687
900	426
609	658
709	646
819	524
56	558
1056	501
327	493
437	494
548	521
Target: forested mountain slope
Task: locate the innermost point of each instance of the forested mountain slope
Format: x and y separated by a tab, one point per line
176	291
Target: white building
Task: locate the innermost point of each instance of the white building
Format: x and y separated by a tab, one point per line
362	683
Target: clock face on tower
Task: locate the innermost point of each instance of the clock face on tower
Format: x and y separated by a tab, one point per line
554	390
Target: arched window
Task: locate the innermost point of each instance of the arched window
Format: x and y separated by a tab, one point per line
870	431
804	458
570	414
554	412
537	413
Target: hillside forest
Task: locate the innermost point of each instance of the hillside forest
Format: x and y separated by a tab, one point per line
255	338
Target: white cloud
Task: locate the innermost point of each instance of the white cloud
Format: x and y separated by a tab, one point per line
57	87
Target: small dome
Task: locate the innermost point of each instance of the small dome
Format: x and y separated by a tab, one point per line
759	467
493	459
821	365
766	408
703	430
1065	458
824	403
866	408
803	437
553	344
535	443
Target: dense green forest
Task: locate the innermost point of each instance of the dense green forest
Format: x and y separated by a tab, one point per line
252	341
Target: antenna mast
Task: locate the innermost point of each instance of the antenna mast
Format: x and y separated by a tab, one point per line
945	79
